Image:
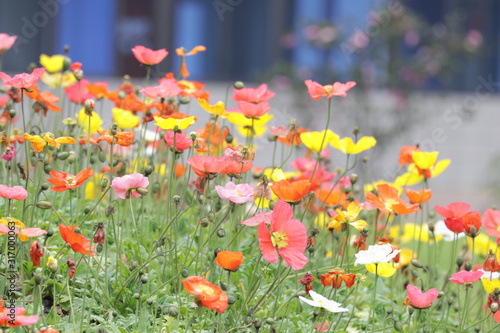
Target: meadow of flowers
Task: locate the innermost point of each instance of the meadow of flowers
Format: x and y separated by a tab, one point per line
143	218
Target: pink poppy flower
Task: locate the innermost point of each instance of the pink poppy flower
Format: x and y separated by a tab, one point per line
23	80
420	300
15	317
491	223
182	142
10	224
126	187
14	192
147	56
78	93
453	214
317	91
284	237
257	219
205	166
6	42
3	101
9	153
166	89
253	109
253	95
240	193
466	277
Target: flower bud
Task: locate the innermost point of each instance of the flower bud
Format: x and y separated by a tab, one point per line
440	294
184	272
217	250
44	204
12	113
148	170
101	156
460	262
223	286
52	264
398	326
473	232
44	187
411	310
354	178
78	74
47	168
239	85
89	106
149	301
229	138
415	274
104	183
142	191
176	199
173	311
144	279
468	266
257	323
136	296
71	158
271	204
221	233
494	307
49	233
63	155
156	187
184	100
270	321
389	310
416	263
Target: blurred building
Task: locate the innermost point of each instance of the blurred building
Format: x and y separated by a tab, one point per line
245	38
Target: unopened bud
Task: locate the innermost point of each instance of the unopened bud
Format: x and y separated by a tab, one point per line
44	187
411	310
440	294
354	178
184	272
460	261
239	85
89	105
221	233
156	187
468	266
78	74
389	310
47	168
102	156
211	216
204	222
12	113
473	232
184	100
148	170
217	250
63	155
416	263
142	191
494	307
415	274
99	248
398	326
136	296
356	130
71	158
52	264
173	311
229	138
104	183
44	204
66	64
271	204
144	279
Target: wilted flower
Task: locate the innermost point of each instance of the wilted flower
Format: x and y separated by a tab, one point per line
209	295
9	153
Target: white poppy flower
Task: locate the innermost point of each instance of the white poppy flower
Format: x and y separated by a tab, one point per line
323	302
376	254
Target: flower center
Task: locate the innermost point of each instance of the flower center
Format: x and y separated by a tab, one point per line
70	181
279	239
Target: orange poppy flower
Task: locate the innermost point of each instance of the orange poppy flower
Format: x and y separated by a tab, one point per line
229	260
65	181
388	201
78	242
45	100
333	198
405	154
40	142
291	191
420	196
98	89
209	295
335	278
124	139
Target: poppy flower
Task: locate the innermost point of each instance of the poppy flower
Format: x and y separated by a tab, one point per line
388	201
78	92
14	317
40	141
14	192
405	154
317	91
253	110
419	299
218	109
125	118
91	125
332	197
335	278
284	237
240	193
9	153
44	100
469	220
78	242
176	120
205	166
376	254
318	141
209	295
466	277
123	139
36	253
454	215
323	302
181	52
23	80
98	89
235	169
23	233
491	223
65	181
6	42
147	56
53	63
347	146
165	89
253	95
229	260
291	191
491	263
420	196
290	136
306	280
348	216
182	142
126	186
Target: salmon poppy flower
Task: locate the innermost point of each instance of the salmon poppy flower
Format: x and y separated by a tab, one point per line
23	233
419	299
14	317
40	141
454	215
228	260
6	42
126	186
23	80
253	95
65	181
78	242
388	201
253	110
209	295
147	56
466	277
207	166
420	196
491	223
317	91
168	88
283	237
291	191
182	142
14	192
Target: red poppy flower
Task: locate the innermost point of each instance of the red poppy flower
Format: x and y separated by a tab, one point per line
388	201
455	216
78	242
65	181
210	295
291	191
229	260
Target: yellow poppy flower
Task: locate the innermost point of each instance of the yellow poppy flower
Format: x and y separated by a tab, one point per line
490	285
217	109
348	216
385	269
416	174
347	146
125	119
53	63
314	140
55	80
170	123
95	122
40	142
405	257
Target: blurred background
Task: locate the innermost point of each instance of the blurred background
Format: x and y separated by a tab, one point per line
426	70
